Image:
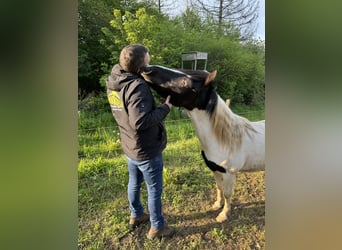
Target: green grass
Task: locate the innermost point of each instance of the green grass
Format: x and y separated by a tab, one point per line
189	192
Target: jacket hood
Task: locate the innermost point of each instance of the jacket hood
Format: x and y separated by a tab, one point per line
119	78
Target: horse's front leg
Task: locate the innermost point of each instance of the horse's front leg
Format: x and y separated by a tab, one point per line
219	192
228	184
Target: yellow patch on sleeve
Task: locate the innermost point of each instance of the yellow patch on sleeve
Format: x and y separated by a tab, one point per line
114	99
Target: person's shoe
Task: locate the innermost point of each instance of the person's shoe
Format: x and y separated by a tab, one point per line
134	222
164	232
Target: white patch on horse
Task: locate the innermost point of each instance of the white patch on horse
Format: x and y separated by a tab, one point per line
232	142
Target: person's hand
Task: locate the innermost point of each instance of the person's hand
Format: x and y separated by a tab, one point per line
167	101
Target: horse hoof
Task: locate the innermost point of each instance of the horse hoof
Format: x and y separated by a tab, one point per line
221	218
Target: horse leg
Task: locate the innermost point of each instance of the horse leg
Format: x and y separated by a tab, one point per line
219	193
228	184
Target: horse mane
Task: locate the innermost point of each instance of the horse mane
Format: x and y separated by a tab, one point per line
229	128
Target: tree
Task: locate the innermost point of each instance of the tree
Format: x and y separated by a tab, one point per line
234	14
148	27
92	16
163	6
104	31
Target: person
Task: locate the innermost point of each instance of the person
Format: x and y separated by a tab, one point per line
142	134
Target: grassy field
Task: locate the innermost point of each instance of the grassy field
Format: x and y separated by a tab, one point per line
189	192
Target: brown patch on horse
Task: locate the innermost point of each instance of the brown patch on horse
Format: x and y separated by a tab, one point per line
228	127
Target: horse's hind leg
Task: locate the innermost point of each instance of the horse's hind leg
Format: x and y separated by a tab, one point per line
219	192
228	184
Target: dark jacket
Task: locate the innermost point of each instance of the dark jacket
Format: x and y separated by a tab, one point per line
142	132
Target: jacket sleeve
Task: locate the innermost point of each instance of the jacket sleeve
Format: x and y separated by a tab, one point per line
141	108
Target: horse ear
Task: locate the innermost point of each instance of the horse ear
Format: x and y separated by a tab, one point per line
210	77
228	102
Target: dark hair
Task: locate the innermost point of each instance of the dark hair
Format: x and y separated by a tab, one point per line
132	57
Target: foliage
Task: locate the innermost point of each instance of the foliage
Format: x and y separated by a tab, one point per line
92	16
93	56
104	31
147	27
240	66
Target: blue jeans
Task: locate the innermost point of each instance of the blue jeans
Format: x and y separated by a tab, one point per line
152	172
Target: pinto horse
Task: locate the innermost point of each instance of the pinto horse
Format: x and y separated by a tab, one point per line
230	143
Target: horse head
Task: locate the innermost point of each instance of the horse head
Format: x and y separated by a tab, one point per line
188	88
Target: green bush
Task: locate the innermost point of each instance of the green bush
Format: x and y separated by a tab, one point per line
240	65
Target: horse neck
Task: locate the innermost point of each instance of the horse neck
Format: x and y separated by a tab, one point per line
201	121
220	126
